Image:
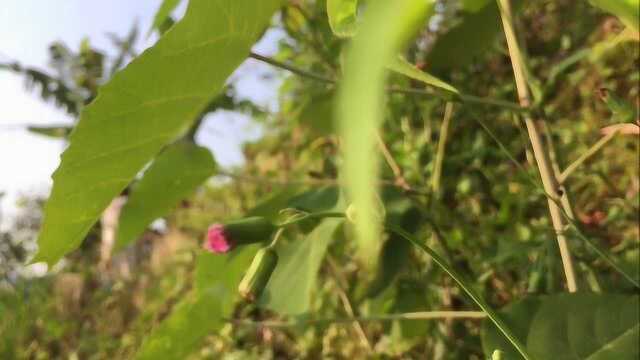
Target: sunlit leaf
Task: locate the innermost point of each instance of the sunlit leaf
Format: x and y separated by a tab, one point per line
571	326
164	11
145	106
172	176
342	16
402	66
386	28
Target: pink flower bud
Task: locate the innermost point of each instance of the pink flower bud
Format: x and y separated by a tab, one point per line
223	238
217	241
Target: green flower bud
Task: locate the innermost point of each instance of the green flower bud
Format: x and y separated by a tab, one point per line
258	274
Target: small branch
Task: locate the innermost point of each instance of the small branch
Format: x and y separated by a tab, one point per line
400	181
291	68
442	140
464	98
424	315
341	283
587	154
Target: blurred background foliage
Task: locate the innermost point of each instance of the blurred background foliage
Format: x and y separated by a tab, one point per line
485	217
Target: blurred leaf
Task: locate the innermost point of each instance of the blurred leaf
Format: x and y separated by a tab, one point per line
475	34
316	200
571	326
627	10
621	110
60	132
271	206
387	27
318	114
402	66
163	13
148	104
203	310
172	176
291	286
474	5
342	17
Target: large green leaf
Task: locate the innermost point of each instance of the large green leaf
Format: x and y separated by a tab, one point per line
386	28
203	310
571	326
148	104
342	16
290	289
477	32
627	10
172	176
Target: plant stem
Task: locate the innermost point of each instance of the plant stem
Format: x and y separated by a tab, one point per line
424	315
459	279
400	181
586	155
549	181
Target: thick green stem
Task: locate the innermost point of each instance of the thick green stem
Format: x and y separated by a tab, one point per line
549	180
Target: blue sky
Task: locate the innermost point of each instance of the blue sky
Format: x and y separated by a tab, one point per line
27	27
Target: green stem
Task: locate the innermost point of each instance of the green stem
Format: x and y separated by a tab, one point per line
457	277
318	215
422	315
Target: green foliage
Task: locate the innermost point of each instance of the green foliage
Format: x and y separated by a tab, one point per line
571	326
291	286
163	13
175	173
627	10
342	16
379	40
202	310
482	237
150	103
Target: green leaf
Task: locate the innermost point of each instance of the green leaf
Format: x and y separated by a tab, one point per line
571	326
59	132
475	34
291	286
164	11
342	17
627	10
203	310
386	28
147	105
172	176
318	114
402	66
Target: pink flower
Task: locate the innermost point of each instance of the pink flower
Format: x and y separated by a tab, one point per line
217	241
